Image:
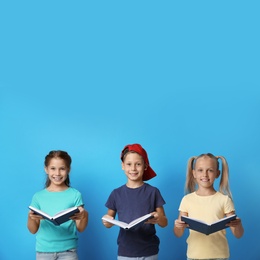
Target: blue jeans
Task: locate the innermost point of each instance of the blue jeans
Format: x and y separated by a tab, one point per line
151	257
66	255
209	259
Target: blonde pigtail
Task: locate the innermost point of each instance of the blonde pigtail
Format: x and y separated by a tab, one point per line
190	184
224	181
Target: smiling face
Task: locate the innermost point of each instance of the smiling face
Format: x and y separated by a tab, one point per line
57	172
205	172
134	167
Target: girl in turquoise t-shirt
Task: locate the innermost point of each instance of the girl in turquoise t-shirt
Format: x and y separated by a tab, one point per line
52	240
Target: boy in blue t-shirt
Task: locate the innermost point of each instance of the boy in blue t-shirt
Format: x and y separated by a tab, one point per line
133	200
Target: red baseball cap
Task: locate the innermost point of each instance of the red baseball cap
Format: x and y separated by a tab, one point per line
149	172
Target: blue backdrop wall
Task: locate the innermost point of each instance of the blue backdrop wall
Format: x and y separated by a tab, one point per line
88	77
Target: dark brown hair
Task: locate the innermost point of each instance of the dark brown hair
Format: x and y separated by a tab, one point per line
57	154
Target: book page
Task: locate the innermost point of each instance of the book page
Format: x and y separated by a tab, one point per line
138	220
116	222
224	219
38	211
64	212
126	225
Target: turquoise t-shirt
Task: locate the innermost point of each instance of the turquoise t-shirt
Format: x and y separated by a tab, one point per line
49	237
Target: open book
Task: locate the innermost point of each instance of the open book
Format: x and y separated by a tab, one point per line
205	228
58	218
128	225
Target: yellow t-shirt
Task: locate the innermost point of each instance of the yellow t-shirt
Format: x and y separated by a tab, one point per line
208	209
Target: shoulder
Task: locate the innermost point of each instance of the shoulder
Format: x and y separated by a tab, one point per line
40	193
222	196
116	195
150	187
224	199
74	191
73	195
39	197
189	196
153	192
119	189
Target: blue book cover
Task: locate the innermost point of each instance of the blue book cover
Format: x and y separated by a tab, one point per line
58	218
205	228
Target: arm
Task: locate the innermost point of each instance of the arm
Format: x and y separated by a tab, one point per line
179	226
110	214
81	219
236	226
33	222
159	217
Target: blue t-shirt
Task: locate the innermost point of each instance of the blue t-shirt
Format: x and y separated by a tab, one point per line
130	204
49	237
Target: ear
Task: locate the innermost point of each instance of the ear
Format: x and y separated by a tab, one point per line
193	173
145	167
122	165
218	173
45	169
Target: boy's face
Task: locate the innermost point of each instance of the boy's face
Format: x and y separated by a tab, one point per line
134	166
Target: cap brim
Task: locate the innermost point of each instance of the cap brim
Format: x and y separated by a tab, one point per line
148	174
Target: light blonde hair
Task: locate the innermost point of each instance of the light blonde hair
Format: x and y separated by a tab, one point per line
190	185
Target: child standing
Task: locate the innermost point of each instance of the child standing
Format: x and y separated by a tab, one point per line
57	242
133	200
203	202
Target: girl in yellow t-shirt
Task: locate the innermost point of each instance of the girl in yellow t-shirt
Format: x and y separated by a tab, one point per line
203	202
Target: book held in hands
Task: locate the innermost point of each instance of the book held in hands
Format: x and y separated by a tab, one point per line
205	228
59	217
133	223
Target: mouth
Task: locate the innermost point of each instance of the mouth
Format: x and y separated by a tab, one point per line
57	178
133	174
204	180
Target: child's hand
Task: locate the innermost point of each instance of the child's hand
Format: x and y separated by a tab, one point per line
80	215
34	216
154	219
236	227
158	218
179	227
81	219
33	222
235	223
180	224
107	224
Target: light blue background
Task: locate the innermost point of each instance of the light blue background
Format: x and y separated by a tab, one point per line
179	77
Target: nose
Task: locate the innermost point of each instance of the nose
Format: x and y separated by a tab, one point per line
58	172
133	167
205	173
